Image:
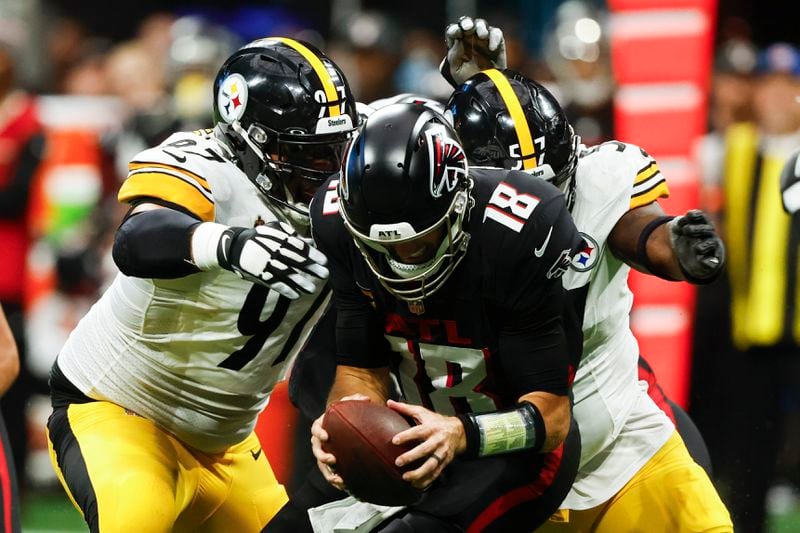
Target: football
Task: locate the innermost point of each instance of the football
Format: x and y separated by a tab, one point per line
360	436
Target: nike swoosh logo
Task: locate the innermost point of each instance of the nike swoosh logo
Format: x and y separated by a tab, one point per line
539	252
223	243
255	455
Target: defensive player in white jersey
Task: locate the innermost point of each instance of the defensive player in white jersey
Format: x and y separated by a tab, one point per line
635	472
156	392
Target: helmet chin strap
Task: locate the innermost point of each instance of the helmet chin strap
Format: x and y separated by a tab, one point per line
408	270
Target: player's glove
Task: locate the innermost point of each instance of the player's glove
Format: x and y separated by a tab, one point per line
700	252
270	255
472	46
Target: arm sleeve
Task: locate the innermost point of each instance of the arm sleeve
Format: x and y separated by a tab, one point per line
359	327
533	350
155	244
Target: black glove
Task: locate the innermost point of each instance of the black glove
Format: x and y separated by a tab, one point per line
271	255
700	252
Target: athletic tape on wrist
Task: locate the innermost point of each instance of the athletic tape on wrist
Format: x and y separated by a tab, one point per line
504	431
205	240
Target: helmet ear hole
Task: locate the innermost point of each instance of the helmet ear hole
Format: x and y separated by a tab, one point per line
399	165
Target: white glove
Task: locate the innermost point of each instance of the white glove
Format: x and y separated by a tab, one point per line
472	46
270	255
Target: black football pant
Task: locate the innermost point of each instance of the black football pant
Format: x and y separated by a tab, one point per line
505	493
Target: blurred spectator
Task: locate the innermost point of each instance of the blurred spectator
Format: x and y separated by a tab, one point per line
367	48
143	91
763	247
21	148
730	102
196	49
9	369
577	54
418	72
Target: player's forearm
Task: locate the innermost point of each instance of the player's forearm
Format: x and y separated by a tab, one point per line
628	243
371	382
674	248
556	414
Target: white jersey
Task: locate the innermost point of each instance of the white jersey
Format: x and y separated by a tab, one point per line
621	427
198	355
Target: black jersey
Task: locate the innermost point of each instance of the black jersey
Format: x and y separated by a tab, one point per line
494	331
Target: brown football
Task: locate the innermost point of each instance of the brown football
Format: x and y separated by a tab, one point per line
360	436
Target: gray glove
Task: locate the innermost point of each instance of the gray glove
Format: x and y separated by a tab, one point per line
472	46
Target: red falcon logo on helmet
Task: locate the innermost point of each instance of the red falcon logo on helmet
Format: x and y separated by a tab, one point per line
448	164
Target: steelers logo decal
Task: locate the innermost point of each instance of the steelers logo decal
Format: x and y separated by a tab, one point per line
587	254
232	98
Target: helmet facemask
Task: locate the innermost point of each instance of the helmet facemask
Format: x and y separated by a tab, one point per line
288	168
415	281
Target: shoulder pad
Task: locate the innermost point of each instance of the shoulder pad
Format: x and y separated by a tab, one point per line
624	165
175	172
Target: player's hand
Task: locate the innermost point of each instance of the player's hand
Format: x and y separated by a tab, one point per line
700	252
440	439
274	256
472	46
326	462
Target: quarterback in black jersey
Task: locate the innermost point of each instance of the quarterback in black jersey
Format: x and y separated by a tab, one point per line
449	277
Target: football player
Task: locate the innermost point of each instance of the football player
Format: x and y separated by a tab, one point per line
434	276
635	470
156	392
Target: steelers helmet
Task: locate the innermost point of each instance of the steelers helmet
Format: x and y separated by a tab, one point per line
286	113
403	197
506	120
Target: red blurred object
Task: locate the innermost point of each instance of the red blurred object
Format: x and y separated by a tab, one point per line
664	119
664	333
19	122
625	5
276	430
658	46
662	54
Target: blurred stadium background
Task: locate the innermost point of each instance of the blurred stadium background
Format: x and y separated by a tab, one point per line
109	78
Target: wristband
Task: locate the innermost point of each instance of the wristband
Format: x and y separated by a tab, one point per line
205	241
504	431
641	246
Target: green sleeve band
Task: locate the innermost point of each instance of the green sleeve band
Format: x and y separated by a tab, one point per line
504	431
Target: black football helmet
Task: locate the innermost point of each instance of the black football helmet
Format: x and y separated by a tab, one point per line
506	120
404	194
287	115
